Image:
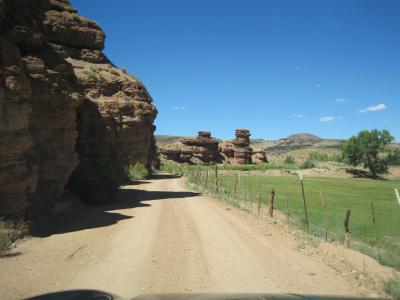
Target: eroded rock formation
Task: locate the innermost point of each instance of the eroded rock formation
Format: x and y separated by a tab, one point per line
62	102
202	149
241	147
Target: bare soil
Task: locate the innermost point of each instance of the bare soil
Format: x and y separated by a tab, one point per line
161	237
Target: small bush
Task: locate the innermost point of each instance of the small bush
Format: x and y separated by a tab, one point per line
136	172
172	167
91	74
308	164
318	156
289	160
339	158
11	231
392	287
93	69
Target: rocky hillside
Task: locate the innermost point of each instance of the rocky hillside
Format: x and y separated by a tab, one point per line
303	142
64	107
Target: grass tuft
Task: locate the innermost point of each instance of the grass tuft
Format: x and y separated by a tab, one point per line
136	172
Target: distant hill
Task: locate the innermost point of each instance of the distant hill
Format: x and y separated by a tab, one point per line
167	139
303	136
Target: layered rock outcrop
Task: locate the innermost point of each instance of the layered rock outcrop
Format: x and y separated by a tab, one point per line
238	151
61	103
202	149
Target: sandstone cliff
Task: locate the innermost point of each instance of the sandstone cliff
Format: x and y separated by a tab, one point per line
63	105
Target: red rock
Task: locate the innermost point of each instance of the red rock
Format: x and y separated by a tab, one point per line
241	147
52	74
202	149
259	157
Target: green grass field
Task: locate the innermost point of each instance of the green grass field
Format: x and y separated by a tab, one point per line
381	241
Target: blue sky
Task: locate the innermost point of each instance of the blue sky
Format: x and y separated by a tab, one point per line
331	68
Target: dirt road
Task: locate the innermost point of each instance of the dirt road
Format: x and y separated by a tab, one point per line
161	237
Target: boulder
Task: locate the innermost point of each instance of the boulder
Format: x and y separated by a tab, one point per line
259	157
68	28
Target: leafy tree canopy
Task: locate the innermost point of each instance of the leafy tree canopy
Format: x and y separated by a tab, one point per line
365	148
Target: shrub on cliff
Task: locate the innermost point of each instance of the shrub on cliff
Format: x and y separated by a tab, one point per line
9	232
136	172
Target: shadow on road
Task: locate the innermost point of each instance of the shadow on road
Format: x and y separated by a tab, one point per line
162	175
8	255
89	217
128	198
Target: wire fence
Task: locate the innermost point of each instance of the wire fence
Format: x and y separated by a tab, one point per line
322	210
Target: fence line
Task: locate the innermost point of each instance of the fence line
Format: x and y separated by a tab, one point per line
252	193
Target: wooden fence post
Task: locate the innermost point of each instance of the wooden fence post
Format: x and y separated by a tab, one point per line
373	219
216	179
235	186
206	183
346	229
304	200
325	216
287	200
259	204
271	203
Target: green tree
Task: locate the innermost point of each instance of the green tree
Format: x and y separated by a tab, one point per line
365	148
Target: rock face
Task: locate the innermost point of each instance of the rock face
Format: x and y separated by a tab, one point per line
202	149
241	147
259	157
61	102
227	153
238	151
